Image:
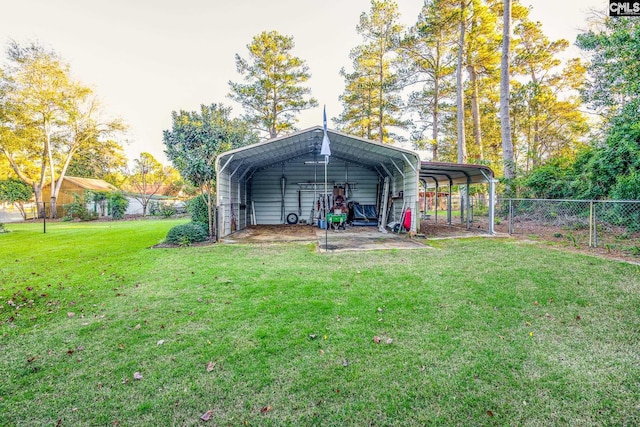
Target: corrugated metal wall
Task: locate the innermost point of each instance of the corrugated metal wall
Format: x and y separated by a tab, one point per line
404	192
300	197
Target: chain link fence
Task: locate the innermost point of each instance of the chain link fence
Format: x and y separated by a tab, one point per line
612	225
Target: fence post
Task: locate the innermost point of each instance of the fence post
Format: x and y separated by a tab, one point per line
510	216
461	206
595	226
591	239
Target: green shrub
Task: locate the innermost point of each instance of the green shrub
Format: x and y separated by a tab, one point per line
185	234
118	205
78	210
198	209
167	211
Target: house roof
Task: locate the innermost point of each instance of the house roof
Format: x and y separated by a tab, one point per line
90	183
370	154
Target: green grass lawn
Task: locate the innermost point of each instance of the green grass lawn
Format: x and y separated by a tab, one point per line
472	332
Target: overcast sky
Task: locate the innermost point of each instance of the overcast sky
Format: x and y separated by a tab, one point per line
147	58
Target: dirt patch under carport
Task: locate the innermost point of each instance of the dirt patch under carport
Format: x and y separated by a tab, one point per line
273	234
350	239
364	239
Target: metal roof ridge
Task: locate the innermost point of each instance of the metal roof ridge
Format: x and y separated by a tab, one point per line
314	129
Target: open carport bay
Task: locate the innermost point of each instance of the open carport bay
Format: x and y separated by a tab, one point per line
350	239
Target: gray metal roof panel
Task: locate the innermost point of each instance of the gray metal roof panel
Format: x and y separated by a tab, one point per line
343	146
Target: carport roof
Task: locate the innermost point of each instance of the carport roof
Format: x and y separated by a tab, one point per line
307	143
454	173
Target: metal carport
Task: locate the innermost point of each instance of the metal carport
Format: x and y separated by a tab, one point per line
262	183
451	174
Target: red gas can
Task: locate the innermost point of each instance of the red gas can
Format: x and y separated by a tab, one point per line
407	219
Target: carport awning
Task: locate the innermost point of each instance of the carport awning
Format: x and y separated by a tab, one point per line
307	143
454	173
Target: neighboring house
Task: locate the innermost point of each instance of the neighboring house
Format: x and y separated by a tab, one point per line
73	185
157	195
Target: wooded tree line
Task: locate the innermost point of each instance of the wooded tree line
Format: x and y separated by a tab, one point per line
476	81
448	84
439	83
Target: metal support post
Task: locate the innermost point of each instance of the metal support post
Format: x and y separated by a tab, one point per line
510	216
595	226
591	239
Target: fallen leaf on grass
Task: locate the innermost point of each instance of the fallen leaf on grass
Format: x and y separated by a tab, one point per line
70	314
121	346
490	413
137	376
137	326
389	341
206	416
265	409
160	342
31	359
210	366
578	317
376	339
345	363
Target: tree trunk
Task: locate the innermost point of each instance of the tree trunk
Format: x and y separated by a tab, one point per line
436	107
535	153
37	187
56	190
53	210
434	130
507	144
210	211
475	111
380	102
37	195
462	148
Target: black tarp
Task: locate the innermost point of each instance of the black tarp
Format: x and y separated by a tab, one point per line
363	215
